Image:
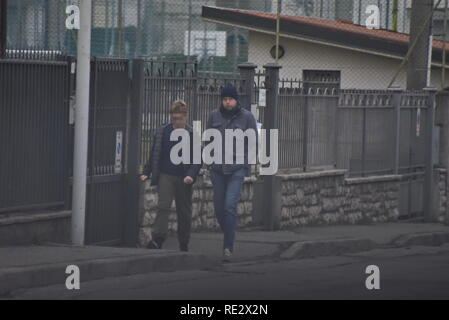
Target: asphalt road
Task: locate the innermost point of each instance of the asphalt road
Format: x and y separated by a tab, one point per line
414	273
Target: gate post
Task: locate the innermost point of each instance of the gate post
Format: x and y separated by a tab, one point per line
247	73
429	187
131	231
271	183
442	118
396	104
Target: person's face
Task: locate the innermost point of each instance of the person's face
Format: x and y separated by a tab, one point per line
229	103
178	120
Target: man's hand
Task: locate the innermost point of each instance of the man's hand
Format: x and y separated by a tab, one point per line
144	177
188	180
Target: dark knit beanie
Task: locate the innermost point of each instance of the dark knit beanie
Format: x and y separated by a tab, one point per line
229	91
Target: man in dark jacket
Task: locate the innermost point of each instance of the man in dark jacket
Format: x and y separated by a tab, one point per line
227	178
173	180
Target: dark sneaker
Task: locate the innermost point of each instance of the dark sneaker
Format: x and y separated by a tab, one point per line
184	247
159	242
153	245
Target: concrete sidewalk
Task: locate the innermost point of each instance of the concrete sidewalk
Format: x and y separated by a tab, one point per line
25	267
35	266
318	241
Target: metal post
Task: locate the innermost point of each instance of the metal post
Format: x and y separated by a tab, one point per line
195	83
81	125
120	29
363	141
162	36
443	71
139	29
247	73
305	128
429	205
278	27
396	103
421	34
271	193
114	24
189	36
133	147
415	49
236	42
148	27
106	28
3	17
395	15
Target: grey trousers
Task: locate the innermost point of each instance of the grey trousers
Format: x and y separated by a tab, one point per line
169	188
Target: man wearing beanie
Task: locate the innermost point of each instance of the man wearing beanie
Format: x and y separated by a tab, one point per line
227	179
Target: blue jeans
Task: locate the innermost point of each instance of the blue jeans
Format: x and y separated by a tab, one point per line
227	189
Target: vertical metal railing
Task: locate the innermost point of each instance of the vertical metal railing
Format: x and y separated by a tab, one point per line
166	81
34	115
366	135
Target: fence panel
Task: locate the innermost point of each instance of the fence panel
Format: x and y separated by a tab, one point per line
167	81
291	117
366	132
34	121
321	106
306	122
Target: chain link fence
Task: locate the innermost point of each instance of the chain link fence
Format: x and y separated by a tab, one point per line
174	30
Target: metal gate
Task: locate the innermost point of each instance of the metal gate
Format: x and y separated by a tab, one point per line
108	124
414	127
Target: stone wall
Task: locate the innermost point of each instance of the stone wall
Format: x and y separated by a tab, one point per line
325	198
318	198
314	198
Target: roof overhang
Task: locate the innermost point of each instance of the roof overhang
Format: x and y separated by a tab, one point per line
314	34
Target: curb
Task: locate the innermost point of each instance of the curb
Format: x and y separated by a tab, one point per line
422	239
310	249
46	275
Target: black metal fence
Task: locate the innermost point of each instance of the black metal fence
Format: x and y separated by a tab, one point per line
320	126
34	121
167	81
306	114
380	134
366	132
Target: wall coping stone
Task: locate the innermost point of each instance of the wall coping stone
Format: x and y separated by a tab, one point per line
371	179
311	175
21	218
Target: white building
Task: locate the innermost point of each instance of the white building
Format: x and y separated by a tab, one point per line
364	58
